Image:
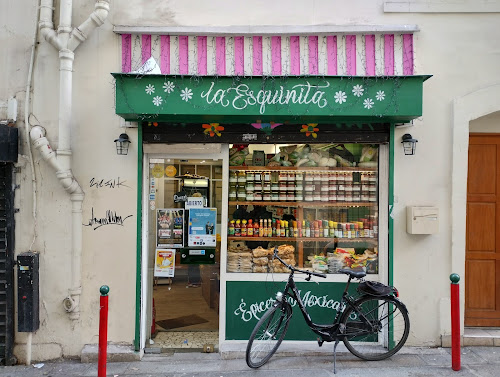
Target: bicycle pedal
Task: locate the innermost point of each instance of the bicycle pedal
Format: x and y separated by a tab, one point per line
320	341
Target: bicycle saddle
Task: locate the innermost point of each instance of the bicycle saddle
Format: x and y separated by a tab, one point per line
358	274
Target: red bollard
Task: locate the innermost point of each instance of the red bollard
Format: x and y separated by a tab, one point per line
103	332
455	322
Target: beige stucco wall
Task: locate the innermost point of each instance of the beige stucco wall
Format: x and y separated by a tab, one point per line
460	50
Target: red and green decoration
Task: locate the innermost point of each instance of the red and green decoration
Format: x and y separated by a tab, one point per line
212	129
310	129
306	100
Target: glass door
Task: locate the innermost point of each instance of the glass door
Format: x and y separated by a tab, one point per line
183	247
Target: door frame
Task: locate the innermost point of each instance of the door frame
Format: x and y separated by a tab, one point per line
179	151
480	322
465	109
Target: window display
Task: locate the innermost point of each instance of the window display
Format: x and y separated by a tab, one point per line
317	203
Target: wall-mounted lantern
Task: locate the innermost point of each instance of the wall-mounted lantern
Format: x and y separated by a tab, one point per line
122	144
409	144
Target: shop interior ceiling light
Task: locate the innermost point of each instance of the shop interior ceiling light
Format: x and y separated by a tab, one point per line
409	144
122	144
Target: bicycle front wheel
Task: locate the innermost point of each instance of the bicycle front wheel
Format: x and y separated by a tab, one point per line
375	328
268	334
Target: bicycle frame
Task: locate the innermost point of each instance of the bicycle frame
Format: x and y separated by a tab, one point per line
328	332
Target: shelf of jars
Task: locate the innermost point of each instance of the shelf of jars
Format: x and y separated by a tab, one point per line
302	239
300	168
303	204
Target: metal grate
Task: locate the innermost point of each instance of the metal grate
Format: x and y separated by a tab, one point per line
6	264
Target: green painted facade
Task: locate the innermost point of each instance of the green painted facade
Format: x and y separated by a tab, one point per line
278	99
246	303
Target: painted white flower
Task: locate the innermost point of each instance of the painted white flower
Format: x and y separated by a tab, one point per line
168	87
358	90
157	101
340	97
368	103
150	89
380	95
186	94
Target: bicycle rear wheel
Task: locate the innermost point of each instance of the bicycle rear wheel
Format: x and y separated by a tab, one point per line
376	328
268	334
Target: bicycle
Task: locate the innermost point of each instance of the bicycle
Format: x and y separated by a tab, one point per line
373	326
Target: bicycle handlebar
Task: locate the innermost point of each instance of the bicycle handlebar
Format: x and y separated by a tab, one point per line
296	269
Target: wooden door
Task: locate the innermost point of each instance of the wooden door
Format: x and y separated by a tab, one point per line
482	259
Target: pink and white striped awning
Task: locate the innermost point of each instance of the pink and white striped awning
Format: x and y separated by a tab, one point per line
360	54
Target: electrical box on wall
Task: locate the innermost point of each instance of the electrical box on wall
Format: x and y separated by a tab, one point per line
422	220
28	317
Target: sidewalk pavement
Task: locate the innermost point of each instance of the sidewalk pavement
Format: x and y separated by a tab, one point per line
409	362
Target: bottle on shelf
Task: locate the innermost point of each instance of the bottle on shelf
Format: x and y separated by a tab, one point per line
243	228
261	228
273	228
308	229
256	229
237	228
278	228
230	228
250	228
326	231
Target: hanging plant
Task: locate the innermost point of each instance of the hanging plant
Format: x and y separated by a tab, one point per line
310	129
212	129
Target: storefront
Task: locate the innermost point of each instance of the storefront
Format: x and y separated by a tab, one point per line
299	163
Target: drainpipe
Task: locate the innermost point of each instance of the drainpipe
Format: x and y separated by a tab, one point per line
66	40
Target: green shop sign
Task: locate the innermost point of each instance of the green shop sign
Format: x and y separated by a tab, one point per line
233	99
246	303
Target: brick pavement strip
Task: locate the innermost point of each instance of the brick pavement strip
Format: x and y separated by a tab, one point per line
422	362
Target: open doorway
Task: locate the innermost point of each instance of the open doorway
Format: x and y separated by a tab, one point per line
185	205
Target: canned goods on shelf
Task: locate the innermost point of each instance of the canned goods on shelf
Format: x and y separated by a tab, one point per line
290	196
233	176
308	197
283	196
242	177
258	185
257	196
309	177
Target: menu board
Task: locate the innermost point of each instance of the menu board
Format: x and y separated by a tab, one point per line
202	223
165	263
170	227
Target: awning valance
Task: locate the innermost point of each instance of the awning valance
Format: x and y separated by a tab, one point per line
395	99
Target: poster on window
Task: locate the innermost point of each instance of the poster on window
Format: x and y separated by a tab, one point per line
170	227
165	263
202	223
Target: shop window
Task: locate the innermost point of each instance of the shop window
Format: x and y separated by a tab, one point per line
317	203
